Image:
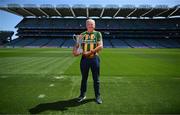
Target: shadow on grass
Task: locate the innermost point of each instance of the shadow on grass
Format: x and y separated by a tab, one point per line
58	106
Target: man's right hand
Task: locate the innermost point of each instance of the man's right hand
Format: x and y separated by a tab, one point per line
76	53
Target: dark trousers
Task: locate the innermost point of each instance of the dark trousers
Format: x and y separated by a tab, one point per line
94	65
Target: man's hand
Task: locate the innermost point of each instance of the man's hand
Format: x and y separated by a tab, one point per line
88	53
76	53
93	51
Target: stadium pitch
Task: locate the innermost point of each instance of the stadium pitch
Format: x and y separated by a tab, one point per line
47	81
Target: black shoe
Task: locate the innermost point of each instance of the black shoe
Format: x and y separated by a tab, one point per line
81	98
98	100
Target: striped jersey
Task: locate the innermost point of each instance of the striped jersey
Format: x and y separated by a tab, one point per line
90	40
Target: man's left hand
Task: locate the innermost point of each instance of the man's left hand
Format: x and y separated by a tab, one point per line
88	53
93	51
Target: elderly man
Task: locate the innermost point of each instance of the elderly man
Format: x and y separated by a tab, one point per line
91	45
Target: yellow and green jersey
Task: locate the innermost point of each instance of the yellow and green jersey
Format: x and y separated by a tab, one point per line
90	40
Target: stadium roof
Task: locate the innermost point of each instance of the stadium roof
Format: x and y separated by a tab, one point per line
96	10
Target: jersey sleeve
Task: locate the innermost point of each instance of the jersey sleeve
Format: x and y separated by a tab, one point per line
99	36
83	33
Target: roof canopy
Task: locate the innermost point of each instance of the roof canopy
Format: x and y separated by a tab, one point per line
92	11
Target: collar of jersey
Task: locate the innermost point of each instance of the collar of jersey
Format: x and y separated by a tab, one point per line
90	32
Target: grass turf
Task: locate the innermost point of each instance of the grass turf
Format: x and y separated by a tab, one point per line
47	80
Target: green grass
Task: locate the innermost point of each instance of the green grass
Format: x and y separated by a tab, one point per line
136	81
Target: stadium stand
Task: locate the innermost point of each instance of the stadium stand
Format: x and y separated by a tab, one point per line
122	27
134	43
68	43
134	33
23	42
107	43
55	42
40	42
119	43
5	37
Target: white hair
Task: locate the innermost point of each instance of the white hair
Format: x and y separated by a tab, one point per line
90	20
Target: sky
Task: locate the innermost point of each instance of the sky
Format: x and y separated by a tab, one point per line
8	21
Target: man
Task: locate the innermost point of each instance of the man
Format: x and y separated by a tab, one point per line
92	44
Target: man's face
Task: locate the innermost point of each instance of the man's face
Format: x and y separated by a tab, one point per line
90	26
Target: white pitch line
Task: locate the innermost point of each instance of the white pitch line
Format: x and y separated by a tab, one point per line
58	77
51	85
4	77
128	82
41	96
119	77
177	78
